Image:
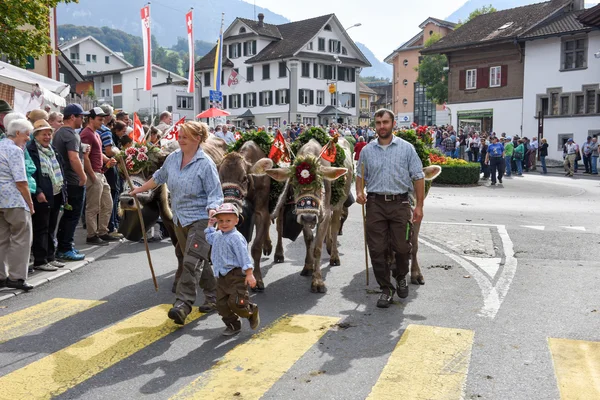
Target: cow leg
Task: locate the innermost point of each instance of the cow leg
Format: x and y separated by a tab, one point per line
334	260
262	229
279	258
267	247
416	277
309	259
345	213
318	285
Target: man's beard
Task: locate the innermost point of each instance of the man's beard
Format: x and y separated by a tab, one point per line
384	134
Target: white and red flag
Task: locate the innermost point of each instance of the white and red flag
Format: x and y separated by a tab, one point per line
137	135
173	133
279	151
190	33
145	14
233	80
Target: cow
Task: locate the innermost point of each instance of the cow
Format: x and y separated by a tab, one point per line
155	203
245	184
313	207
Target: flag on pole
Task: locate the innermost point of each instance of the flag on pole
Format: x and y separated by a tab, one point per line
190	33
137	135
233	80
145	14
330	150
218	70
279	151
173	133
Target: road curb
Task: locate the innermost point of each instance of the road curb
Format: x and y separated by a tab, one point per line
69	268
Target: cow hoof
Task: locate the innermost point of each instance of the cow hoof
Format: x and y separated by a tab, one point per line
334	262
260	287
318	288
328	250
417	280
267	249
306	272
279	259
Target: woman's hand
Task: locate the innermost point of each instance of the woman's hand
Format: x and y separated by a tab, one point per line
41	198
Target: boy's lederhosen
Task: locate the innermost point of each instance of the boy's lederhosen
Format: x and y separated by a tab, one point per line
233	299
389	226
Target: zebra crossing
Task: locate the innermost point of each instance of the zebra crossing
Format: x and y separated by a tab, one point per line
428	362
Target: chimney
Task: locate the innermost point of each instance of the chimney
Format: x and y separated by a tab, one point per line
578	5
169	79
261	20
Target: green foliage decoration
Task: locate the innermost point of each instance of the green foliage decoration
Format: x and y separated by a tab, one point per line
463	174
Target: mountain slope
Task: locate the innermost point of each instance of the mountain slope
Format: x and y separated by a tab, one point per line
379	69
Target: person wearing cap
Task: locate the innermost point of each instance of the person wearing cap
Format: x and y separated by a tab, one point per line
67	144
509	149
98	200
233	269
16	207
4	109
571	150
495	159
48	198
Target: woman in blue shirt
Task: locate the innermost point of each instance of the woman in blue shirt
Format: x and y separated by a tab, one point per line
193	181
495	159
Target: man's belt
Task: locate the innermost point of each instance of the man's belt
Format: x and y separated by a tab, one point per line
388	197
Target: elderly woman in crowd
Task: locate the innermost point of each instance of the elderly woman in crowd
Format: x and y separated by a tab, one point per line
196	192
16	207
55	119
48	198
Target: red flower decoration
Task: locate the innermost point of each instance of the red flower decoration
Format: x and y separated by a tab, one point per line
304	174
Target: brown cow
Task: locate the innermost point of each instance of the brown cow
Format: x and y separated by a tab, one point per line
243	178
313	208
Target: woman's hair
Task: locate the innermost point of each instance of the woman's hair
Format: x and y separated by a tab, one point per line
118	127
544	140
54	116
18	125
199	130
36	115
154	130
8	118
125	140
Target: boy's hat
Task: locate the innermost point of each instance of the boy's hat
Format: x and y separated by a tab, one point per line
227	208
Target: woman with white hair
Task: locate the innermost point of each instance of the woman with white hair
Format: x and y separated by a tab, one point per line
16	207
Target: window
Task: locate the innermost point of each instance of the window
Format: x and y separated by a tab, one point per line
564	105
93	58
318	71
306	70
118	101
363	103
554	103
102	78
590	105
185	103
249	74
103	93
282	69
242	30
266	98
579	104
281	96
107	59
207	79
405	63
74	56
574	54
309	121
154	74
334	99
405	101
273	121
471	79
544	105
321	44
117	79
88	57
405	82
334	46
234	101
88	72
327	28
108	92
344	51
249	100
320	97
306	96
495	76
250	48
309	46
235	50
266	71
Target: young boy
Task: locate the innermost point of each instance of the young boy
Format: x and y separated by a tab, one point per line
233	268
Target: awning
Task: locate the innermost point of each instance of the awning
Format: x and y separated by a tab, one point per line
247	114
331	111
487	113
54	92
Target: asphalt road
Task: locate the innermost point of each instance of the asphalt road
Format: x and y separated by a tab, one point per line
510	271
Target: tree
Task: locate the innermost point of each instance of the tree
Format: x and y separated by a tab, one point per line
477	12
25	29
433	74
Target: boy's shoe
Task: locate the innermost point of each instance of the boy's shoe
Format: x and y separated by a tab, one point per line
45	267
57	264
179	312
254	319
385	300
95	240
109	238
209	306
402	287
232	329
71	255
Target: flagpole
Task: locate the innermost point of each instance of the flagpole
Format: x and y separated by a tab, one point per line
150	47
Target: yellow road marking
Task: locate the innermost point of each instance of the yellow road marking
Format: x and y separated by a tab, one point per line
60	371
257	364
577	368
29	319
427	363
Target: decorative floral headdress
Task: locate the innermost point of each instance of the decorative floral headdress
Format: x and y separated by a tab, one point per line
304	175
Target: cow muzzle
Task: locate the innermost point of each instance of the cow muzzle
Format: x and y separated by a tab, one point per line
308	210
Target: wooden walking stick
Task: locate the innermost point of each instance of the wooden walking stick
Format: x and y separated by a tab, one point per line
139	210
364	215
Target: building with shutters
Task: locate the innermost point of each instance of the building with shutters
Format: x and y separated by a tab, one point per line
275	75
486	59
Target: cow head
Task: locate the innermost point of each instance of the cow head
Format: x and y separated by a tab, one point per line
235	174
306	176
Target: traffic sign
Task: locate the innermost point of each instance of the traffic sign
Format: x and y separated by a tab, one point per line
215	96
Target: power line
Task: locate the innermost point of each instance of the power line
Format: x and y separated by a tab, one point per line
166	6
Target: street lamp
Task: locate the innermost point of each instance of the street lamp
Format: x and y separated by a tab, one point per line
353	26
337	99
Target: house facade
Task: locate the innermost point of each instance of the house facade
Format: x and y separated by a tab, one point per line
562	82
367	95
486	59
301	72
90	56
409	101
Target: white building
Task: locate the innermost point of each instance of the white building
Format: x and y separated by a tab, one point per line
90	56
562	79
284	72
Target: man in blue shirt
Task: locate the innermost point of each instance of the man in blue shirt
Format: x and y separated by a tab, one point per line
495	159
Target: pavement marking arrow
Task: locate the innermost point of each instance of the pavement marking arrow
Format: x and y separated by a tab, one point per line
60	371
428	363
577	368
490	266
256	365
44	314
539	228
575	228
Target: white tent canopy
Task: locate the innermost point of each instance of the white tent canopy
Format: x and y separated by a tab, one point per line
52	91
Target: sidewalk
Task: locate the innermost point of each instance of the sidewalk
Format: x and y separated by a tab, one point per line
39	278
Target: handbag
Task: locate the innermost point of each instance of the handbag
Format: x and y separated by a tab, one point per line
517	155
578	156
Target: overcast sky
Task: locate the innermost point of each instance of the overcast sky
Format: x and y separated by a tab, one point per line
386	24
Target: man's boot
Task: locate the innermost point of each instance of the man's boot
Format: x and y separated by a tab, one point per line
179	312
232	328
210	303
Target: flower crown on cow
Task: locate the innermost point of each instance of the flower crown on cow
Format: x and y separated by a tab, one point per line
304	174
